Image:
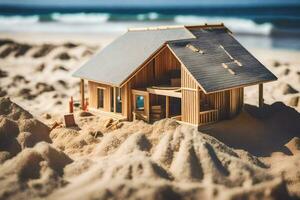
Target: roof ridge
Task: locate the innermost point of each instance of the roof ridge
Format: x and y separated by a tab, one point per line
156	28
205	25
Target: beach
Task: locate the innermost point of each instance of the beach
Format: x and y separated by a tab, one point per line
253	156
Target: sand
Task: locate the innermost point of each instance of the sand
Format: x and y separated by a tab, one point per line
160	161
253	156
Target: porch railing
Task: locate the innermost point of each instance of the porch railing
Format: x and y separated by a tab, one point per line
209	116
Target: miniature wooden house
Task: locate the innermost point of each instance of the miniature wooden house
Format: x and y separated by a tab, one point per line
194	74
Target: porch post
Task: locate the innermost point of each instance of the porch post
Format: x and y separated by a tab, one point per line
82	93
147	106
197	108
167	106
115	102
260	95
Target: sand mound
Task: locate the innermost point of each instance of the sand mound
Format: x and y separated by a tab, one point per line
41	67
294	101
78	167
3	73
60	67
20	79
63	56
43	50
70	45
138	160
26	93
288	168
39	130
33	172
17	135
5	41
71	141
12	110
22	50
4	155
181	163
8	50
259	131
43	87
3	92
18	49
135	142
288	89
12	47
56	159
294	145
26	139
8	129
85	114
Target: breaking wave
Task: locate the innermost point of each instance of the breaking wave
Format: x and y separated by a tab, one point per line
15	20
80	18
88	20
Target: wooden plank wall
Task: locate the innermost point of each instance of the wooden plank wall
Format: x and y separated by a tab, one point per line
165	62
219	101
236	101
228	102
153	73
93	95
190	106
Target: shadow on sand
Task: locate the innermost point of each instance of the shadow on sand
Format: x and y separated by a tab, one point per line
261	131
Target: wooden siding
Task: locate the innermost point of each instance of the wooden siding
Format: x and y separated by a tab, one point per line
164	63
93	101
228	103
155	72
236	101
220	101
190	106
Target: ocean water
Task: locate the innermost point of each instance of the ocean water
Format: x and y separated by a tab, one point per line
272	25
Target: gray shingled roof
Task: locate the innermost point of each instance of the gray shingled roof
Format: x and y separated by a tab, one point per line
119	60
115	63
207	68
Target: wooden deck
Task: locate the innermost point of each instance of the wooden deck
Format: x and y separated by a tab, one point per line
116	116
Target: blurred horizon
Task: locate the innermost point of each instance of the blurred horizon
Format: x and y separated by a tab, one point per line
269	22
152	3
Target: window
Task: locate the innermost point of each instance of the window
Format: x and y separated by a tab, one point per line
100	93
118	100
115	98
140	102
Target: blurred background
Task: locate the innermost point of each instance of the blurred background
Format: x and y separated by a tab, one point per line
256	23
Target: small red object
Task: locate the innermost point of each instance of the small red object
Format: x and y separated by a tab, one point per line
71	105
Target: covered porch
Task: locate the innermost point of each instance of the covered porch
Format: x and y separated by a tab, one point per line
156	102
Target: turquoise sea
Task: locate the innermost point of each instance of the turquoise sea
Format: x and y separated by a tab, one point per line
270	23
